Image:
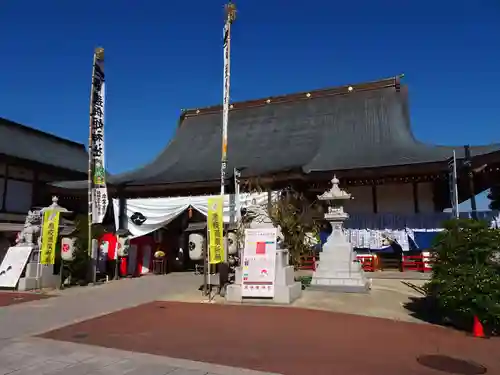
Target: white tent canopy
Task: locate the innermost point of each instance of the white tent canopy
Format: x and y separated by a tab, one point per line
158	212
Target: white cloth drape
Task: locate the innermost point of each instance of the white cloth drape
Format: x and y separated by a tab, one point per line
158	212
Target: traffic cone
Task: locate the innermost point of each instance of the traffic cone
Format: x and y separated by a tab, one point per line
477	328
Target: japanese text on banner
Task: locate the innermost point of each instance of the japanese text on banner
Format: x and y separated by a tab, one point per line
50	231
99	191
216	230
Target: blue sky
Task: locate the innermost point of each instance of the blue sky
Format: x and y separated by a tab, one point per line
162	56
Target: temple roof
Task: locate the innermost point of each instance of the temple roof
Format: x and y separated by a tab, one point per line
30	144
349	127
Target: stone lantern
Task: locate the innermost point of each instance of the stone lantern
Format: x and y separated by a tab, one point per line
338	268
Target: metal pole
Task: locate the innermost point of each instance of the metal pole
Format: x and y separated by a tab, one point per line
206	264
472	189
455	184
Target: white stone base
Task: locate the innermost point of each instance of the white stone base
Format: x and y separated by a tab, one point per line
342	285
337	271
283	294
46	277
286	289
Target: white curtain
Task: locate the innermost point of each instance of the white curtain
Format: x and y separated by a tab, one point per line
158	212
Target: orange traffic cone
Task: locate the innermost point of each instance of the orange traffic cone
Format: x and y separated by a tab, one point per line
477	328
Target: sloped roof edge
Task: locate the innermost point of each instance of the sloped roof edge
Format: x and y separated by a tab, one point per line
288	98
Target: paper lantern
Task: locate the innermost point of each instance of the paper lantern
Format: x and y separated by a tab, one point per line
232	243
68	248
195	246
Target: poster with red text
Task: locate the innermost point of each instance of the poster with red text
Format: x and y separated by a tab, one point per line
259	259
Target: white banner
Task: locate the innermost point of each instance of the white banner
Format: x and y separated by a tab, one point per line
259	262
99	190
145	215
225	100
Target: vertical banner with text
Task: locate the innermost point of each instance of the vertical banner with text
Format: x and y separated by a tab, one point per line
225	100
99	190
50	231
215	230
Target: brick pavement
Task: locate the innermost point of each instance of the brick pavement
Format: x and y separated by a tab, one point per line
289	341
8	298
83	303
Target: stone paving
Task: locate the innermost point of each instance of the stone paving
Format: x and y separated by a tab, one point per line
78	304
288	341
21	354
33	356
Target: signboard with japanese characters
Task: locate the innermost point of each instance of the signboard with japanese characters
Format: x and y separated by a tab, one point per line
99	190
259	259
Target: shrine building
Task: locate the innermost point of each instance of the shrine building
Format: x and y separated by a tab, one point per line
359	132
29	160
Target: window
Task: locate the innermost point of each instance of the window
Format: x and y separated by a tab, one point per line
19	196
2	191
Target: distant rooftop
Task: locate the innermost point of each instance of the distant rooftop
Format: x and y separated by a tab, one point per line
23	142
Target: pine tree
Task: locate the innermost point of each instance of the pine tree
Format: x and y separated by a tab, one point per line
466	273
494	197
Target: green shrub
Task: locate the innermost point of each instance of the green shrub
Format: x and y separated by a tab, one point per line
466	274
79	267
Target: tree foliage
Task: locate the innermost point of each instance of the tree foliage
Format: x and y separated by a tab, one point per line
466	273
78	268
494	197
297	218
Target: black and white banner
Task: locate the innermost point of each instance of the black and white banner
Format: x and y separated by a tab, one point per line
99	190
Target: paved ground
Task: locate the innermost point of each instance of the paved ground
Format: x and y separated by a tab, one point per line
21	354
387	299
83	303
271	339
14	298
47	357
284	340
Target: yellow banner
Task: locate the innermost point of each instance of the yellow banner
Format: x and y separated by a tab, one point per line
216	230
50	230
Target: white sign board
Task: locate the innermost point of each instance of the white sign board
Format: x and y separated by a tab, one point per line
259	258
13	265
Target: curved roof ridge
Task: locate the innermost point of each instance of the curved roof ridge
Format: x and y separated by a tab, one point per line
304	95
367	126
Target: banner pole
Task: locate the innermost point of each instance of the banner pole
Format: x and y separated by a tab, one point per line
96	171
230	17
90	170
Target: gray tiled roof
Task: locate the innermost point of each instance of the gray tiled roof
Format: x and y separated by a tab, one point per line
26	143
324	132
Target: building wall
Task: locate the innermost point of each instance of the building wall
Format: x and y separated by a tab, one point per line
22	187
391	198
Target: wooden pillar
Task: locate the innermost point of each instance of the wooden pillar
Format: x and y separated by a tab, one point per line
416	204
6	179
374	199
36	190
441	195
122	210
